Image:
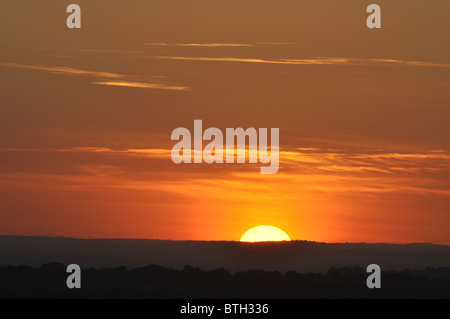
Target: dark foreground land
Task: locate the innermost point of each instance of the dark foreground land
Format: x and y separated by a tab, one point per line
299	256
118	268
49	281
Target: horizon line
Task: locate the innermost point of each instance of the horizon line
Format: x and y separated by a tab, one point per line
222	241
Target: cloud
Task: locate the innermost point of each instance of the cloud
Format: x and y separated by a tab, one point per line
315	161
216	45
108	51
87	50
303	173
61	70
145	85
306	160
155	153
312	61
411	63
220	59
121	80
204	45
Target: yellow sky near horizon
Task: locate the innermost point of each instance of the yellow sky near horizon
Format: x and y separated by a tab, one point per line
86	117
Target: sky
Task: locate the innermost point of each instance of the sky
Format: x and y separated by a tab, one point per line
86	118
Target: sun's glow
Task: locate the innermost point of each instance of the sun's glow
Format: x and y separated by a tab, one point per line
265	234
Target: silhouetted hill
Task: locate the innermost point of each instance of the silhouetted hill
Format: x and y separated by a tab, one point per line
155	282
234	256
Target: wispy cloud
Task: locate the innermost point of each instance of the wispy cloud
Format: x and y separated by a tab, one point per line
204	45
142	152
217	45
62	70
316	161
108	51
311	61
145	85
88	50
303	173
411	63
306	160
121	79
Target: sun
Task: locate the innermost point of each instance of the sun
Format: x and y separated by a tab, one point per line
264	234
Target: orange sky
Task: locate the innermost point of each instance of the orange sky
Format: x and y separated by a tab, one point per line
86	117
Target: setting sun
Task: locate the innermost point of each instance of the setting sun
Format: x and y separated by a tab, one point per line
264	234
